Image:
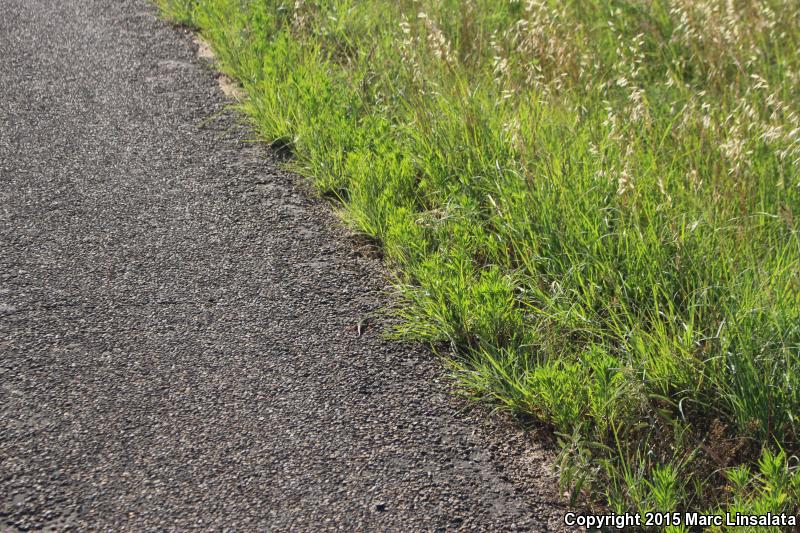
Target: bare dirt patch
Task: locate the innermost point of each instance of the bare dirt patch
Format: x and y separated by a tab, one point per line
229	87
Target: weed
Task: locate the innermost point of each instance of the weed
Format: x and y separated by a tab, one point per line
593	203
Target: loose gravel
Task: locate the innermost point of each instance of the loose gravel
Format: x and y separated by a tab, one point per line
178	318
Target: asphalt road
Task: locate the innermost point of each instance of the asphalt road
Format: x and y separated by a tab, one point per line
178	345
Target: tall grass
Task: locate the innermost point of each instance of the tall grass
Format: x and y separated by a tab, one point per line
592	204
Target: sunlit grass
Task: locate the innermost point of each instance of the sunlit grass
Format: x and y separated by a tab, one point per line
592	203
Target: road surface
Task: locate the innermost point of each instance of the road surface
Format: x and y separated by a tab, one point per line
178	344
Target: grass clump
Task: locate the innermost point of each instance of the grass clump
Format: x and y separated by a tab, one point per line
592	203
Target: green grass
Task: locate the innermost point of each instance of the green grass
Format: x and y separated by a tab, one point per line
589	206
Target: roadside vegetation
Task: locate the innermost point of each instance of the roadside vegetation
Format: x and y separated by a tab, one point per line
592	208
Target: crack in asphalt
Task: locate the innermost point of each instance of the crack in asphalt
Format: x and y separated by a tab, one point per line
184	347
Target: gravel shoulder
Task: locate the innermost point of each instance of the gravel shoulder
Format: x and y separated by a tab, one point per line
178	341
